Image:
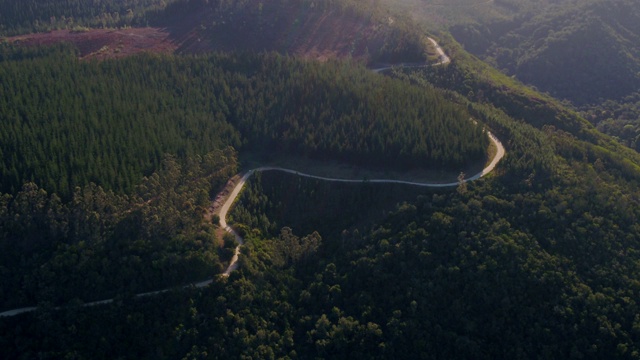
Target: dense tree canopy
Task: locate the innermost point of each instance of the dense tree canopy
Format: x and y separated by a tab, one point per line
513	267
67	123
108	170
100	244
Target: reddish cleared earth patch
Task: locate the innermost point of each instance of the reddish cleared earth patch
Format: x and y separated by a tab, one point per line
104	43
259	27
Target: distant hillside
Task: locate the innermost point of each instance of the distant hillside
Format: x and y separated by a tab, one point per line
585	52
445	13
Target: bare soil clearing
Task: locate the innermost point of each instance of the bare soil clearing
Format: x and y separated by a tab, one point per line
289	30
104	43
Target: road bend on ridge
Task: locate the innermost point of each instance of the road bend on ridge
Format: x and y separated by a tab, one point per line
443	59
224	209
500	152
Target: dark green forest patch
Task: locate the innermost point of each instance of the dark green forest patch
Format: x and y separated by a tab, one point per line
69	122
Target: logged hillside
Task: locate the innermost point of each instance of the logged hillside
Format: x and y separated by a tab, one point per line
303	28
313	29
584	52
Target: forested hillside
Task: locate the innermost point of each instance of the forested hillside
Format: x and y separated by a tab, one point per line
69	122
108	171
543	264
101	244
620	119
80	136
538	262
438	14
479	83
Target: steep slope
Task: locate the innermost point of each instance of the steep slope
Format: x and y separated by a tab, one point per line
299	27
302	28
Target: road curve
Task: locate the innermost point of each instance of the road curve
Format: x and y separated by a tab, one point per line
236	190
443	59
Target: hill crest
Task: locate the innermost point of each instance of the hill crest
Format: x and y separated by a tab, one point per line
299	28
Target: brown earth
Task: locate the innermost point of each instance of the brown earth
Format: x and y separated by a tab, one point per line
314	35
297	31
104	43
113	43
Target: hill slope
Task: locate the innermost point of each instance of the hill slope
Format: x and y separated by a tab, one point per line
322	30
300	27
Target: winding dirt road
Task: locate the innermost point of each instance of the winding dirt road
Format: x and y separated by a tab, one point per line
233	265
443	59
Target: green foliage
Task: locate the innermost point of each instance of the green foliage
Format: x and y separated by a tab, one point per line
68	123
580	51
507	99
619	119
543	255
110	122
101	244
335	111
546	254
359	29
552	270
449	275
290	249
